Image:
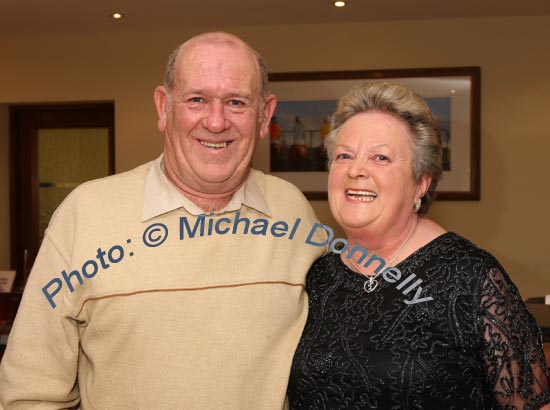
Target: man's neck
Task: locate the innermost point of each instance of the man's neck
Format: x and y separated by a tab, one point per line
208	204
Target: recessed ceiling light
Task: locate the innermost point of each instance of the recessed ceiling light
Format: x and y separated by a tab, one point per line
339	3
117	16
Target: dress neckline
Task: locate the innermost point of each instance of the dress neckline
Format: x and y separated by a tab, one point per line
406	260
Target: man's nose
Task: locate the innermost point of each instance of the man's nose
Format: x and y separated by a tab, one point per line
215	120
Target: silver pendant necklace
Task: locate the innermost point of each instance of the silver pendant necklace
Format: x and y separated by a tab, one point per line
372	283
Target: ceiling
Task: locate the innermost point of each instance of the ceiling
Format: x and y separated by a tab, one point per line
87	16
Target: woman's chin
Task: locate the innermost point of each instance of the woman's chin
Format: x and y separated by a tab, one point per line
352	229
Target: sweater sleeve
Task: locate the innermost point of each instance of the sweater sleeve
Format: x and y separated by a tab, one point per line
512	348
39	367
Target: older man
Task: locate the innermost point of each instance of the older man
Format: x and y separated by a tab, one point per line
179	284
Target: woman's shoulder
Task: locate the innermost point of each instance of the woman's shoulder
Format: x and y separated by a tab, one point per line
451	260
325	270
329	261
433	236
435	239
454	242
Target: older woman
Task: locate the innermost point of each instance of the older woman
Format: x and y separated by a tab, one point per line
466	342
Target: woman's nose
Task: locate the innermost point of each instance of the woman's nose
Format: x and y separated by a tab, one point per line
358	168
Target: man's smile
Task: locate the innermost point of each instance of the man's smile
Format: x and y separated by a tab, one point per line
215	145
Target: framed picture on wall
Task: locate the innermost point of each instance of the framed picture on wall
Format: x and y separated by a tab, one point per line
306	101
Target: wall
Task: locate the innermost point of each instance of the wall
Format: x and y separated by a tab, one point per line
5	248
510	220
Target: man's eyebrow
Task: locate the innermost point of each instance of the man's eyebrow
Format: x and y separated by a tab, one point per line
207	92
240	95
191	91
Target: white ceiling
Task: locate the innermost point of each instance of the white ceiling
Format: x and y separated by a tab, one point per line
85	16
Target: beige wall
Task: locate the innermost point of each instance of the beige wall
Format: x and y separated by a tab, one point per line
4	188
511	219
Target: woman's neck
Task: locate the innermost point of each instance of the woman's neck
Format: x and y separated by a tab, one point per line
369	253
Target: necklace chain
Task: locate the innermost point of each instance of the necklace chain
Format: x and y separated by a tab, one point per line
371	283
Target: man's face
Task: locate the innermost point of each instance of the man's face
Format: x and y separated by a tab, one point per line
212	117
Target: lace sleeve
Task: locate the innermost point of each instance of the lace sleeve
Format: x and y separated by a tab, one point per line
512	348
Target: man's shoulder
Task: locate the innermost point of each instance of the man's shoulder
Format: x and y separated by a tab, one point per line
104	195
100	206
121	184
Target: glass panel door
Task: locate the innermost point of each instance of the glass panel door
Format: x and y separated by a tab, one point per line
67	157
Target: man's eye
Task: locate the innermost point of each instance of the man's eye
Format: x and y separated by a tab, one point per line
236	103
196	99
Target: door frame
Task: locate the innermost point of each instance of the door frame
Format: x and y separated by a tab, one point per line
25	120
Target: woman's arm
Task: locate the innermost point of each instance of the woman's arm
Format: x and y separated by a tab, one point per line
512	347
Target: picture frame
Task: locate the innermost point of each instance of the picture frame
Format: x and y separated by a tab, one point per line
453	93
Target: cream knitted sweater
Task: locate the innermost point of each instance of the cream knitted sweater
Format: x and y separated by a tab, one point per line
196	322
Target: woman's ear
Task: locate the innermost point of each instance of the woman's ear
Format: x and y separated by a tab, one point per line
423	186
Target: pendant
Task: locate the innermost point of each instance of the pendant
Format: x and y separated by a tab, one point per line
370	285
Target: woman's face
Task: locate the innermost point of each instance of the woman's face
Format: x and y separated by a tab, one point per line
371	184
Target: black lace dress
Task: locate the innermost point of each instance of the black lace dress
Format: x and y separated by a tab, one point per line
474	346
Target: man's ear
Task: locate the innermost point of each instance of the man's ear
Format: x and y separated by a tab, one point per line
268	110
161	103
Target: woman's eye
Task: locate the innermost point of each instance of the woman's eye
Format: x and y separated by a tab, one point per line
381	157
343	156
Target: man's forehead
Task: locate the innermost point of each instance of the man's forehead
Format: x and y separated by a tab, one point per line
215	38
228	60
206	52
212	50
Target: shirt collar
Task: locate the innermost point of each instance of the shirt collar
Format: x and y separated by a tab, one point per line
161	196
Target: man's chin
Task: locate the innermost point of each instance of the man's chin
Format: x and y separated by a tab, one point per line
222	181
